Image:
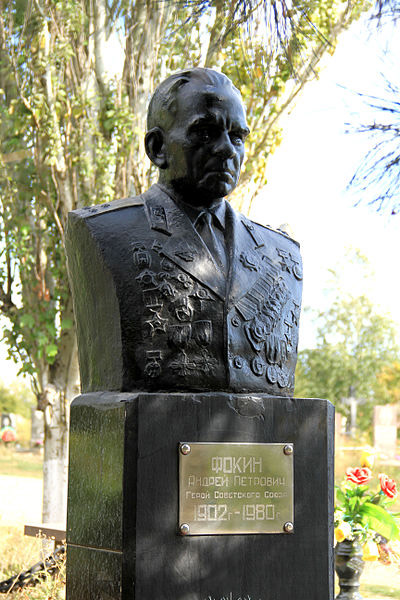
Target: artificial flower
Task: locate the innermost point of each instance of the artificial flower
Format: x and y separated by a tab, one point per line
388	486
384	553
370	551
359	475
362	515
368	458
343	531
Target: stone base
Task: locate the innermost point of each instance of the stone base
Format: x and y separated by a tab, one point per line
122	529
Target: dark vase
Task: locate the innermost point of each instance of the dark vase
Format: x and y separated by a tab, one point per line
349	567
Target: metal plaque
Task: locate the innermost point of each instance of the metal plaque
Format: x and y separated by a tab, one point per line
230	488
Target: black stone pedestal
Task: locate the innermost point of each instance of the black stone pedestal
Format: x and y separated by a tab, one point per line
122	530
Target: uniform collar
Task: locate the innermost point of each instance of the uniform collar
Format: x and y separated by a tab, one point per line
218	209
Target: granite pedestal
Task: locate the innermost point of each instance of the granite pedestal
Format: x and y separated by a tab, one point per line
122	530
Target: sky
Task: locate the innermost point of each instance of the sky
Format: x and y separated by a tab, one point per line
308	175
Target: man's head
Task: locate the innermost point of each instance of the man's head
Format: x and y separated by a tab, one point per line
196	132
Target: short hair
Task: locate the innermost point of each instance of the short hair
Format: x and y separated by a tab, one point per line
162	106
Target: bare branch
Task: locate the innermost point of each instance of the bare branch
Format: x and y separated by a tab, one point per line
377	178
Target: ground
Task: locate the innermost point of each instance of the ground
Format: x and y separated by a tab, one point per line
20	500
21	503
380	581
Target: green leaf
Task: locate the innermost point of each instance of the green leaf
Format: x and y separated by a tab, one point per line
41	339
351	491
51	350
51	329
27	321
353	503
381	521
340	496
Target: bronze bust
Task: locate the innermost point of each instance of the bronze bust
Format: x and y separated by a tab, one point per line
176	291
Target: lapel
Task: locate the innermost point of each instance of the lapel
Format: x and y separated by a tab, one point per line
247	249
182	245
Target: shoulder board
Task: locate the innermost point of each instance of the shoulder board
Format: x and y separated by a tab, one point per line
98	209
277	231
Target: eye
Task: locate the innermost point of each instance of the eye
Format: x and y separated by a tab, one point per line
206	133
237	138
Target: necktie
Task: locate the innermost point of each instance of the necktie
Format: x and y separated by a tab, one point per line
214	244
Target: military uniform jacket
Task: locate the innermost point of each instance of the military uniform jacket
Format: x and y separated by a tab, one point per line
155	313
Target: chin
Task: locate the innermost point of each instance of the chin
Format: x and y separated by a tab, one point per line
219	190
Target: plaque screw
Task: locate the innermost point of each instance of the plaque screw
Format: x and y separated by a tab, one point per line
288	449
288	527
184	529
185	448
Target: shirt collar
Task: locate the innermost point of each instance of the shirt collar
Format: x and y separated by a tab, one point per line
218	209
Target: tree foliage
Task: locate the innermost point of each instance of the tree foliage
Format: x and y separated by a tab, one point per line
75	80
17	399
388	381
356	349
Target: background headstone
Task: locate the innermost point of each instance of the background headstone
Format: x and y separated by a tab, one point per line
340	426
37	428
8	420
385	429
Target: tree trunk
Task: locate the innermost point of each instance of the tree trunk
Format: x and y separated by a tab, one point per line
55	464
58	392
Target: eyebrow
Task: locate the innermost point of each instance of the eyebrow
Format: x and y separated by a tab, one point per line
245	131
210	118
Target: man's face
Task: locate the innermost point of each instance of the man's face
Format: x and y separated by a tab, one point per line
205	145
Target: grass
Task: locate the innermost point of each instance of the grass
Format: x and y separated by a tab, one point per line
380	581
20	464
371	582
376	591
379	591
18	553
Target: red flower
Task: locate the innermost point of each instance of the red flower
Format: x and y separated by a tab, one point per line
359	475
388	486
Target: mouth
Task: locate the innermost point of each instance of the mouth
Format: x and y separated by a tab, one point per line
222	174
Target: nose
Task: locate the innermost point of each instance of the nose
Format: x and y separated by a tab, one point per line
224	147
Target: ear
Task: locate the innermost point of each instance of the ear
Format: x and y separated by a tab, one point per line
155	147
